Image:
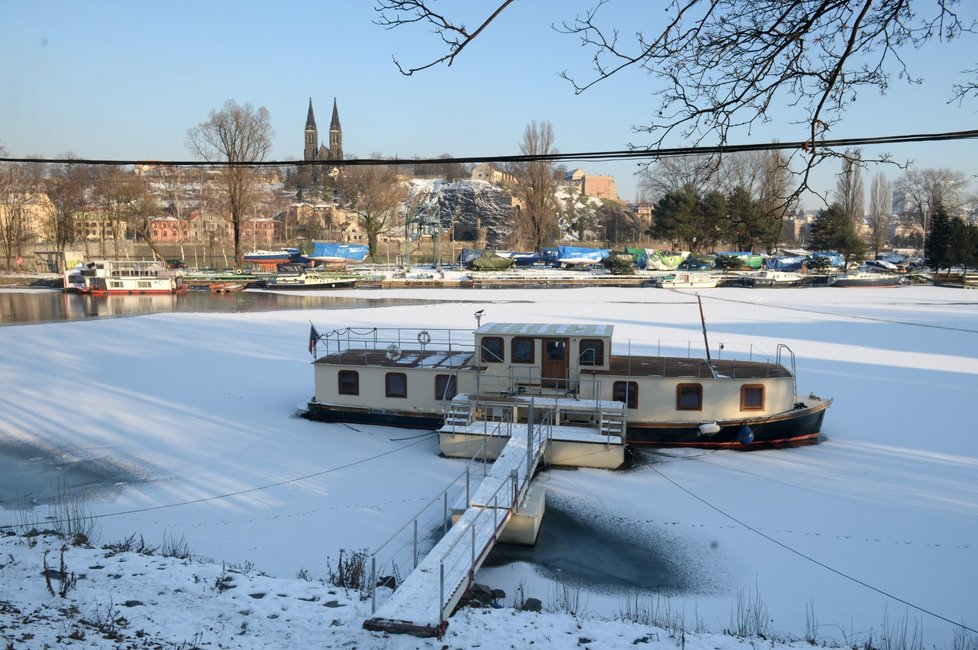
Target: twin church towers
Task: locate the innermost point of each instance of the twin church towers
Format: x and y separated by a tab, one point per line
316	151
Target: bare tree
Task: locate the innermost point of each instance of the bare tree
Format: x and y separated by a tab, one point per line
374	193
924	189
880	206
723	65
775	194
849	191
698	174
17	189
67	186
235	136
536	183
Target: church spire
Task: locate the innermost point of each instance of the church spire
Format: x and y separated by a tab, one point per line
311	119
335	122
335	135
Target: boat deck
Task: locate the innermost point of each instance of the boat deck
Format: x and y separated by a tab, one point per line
408	358
648	366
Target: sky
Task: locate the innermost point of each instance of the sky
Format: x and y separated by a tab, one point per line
182	427
114	79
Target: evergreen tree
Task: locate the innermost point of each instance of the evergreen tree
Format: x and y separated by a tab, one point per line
833	230
939	239
963	247
672	217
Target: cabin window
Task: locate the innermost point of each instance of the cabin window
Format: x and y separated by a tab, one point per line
689	397
492	349
523	350
395	384
752	397
627	392
592	352
446	386
349	382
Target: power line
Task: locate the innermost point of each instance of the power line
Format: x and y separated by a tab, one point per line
226	495
813	560
593	156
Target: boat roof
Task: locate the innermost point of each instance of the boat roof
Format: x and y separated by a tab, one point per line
544	329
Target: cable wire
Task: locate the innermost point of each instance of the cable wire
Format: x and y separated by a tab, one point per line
813	560
227	494
596	156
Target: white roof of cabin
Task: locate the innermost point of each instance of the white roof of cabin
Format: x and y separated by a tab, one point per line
543	329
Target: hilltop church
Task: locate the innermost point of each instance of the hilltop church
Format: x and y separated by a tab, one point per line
314	151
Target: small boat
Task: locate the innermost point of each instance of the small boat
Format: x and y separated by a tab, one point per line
577	256
269	260
868	279
104	277
745	258
687	280
309	280
226	287
772	279
490	261
336	256
569	373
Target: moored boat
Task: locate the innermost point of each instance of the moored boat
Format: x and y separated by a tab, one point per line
104	277
505	370
772	279
270	259
687	280
869	279
310	280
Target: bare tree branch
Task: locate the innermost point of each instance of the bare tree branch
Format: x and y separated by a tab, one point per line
395	13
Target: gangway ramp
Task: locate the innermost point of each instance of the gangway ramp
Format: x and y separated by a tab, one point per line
423	601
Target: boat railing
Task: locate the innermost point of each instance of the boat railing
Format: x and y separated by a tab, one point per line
394	340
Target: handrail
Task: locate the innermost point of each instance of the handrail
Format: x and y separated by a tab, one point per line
794	374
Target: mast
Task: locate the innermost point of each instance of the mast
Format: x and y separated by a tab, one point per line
706	342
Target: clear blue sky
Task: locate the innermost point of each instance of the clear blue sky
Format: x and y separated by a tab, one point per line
121	79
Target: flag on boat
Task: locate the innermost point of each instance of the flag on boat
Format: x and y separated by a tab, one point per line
313	338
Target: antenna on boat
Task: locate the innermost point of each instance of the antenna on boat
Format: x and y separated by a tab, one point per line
706	342
478	318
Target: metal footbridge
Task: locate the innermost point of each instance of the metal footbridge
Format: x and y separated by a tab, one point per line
423	601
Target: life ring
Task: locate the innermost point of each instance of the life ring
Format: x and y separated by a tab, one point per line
424	338
393	352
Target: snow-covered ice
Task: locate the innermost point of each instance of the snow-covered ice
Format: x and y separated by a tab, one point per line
183	426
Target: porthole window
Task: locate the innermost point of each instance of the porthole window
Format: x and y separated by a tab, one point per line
492	349
592	352
626	392
446	387
349	382
689	397
752	397
395	384
522	349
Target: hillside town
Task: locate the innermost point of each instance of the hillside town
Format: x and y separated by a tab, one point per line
53	216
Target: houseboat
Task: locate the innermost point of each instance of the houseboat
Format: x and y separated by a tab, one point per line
571	373
103	277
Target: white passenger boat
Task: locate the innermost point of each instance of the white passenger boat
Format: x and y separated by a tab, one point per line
102	277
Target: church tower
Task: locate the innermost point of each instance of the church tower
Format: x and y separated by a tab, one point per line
335	133
312	135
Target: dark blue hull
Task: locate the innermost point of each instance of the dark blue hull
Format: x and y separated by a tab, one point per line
800	426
